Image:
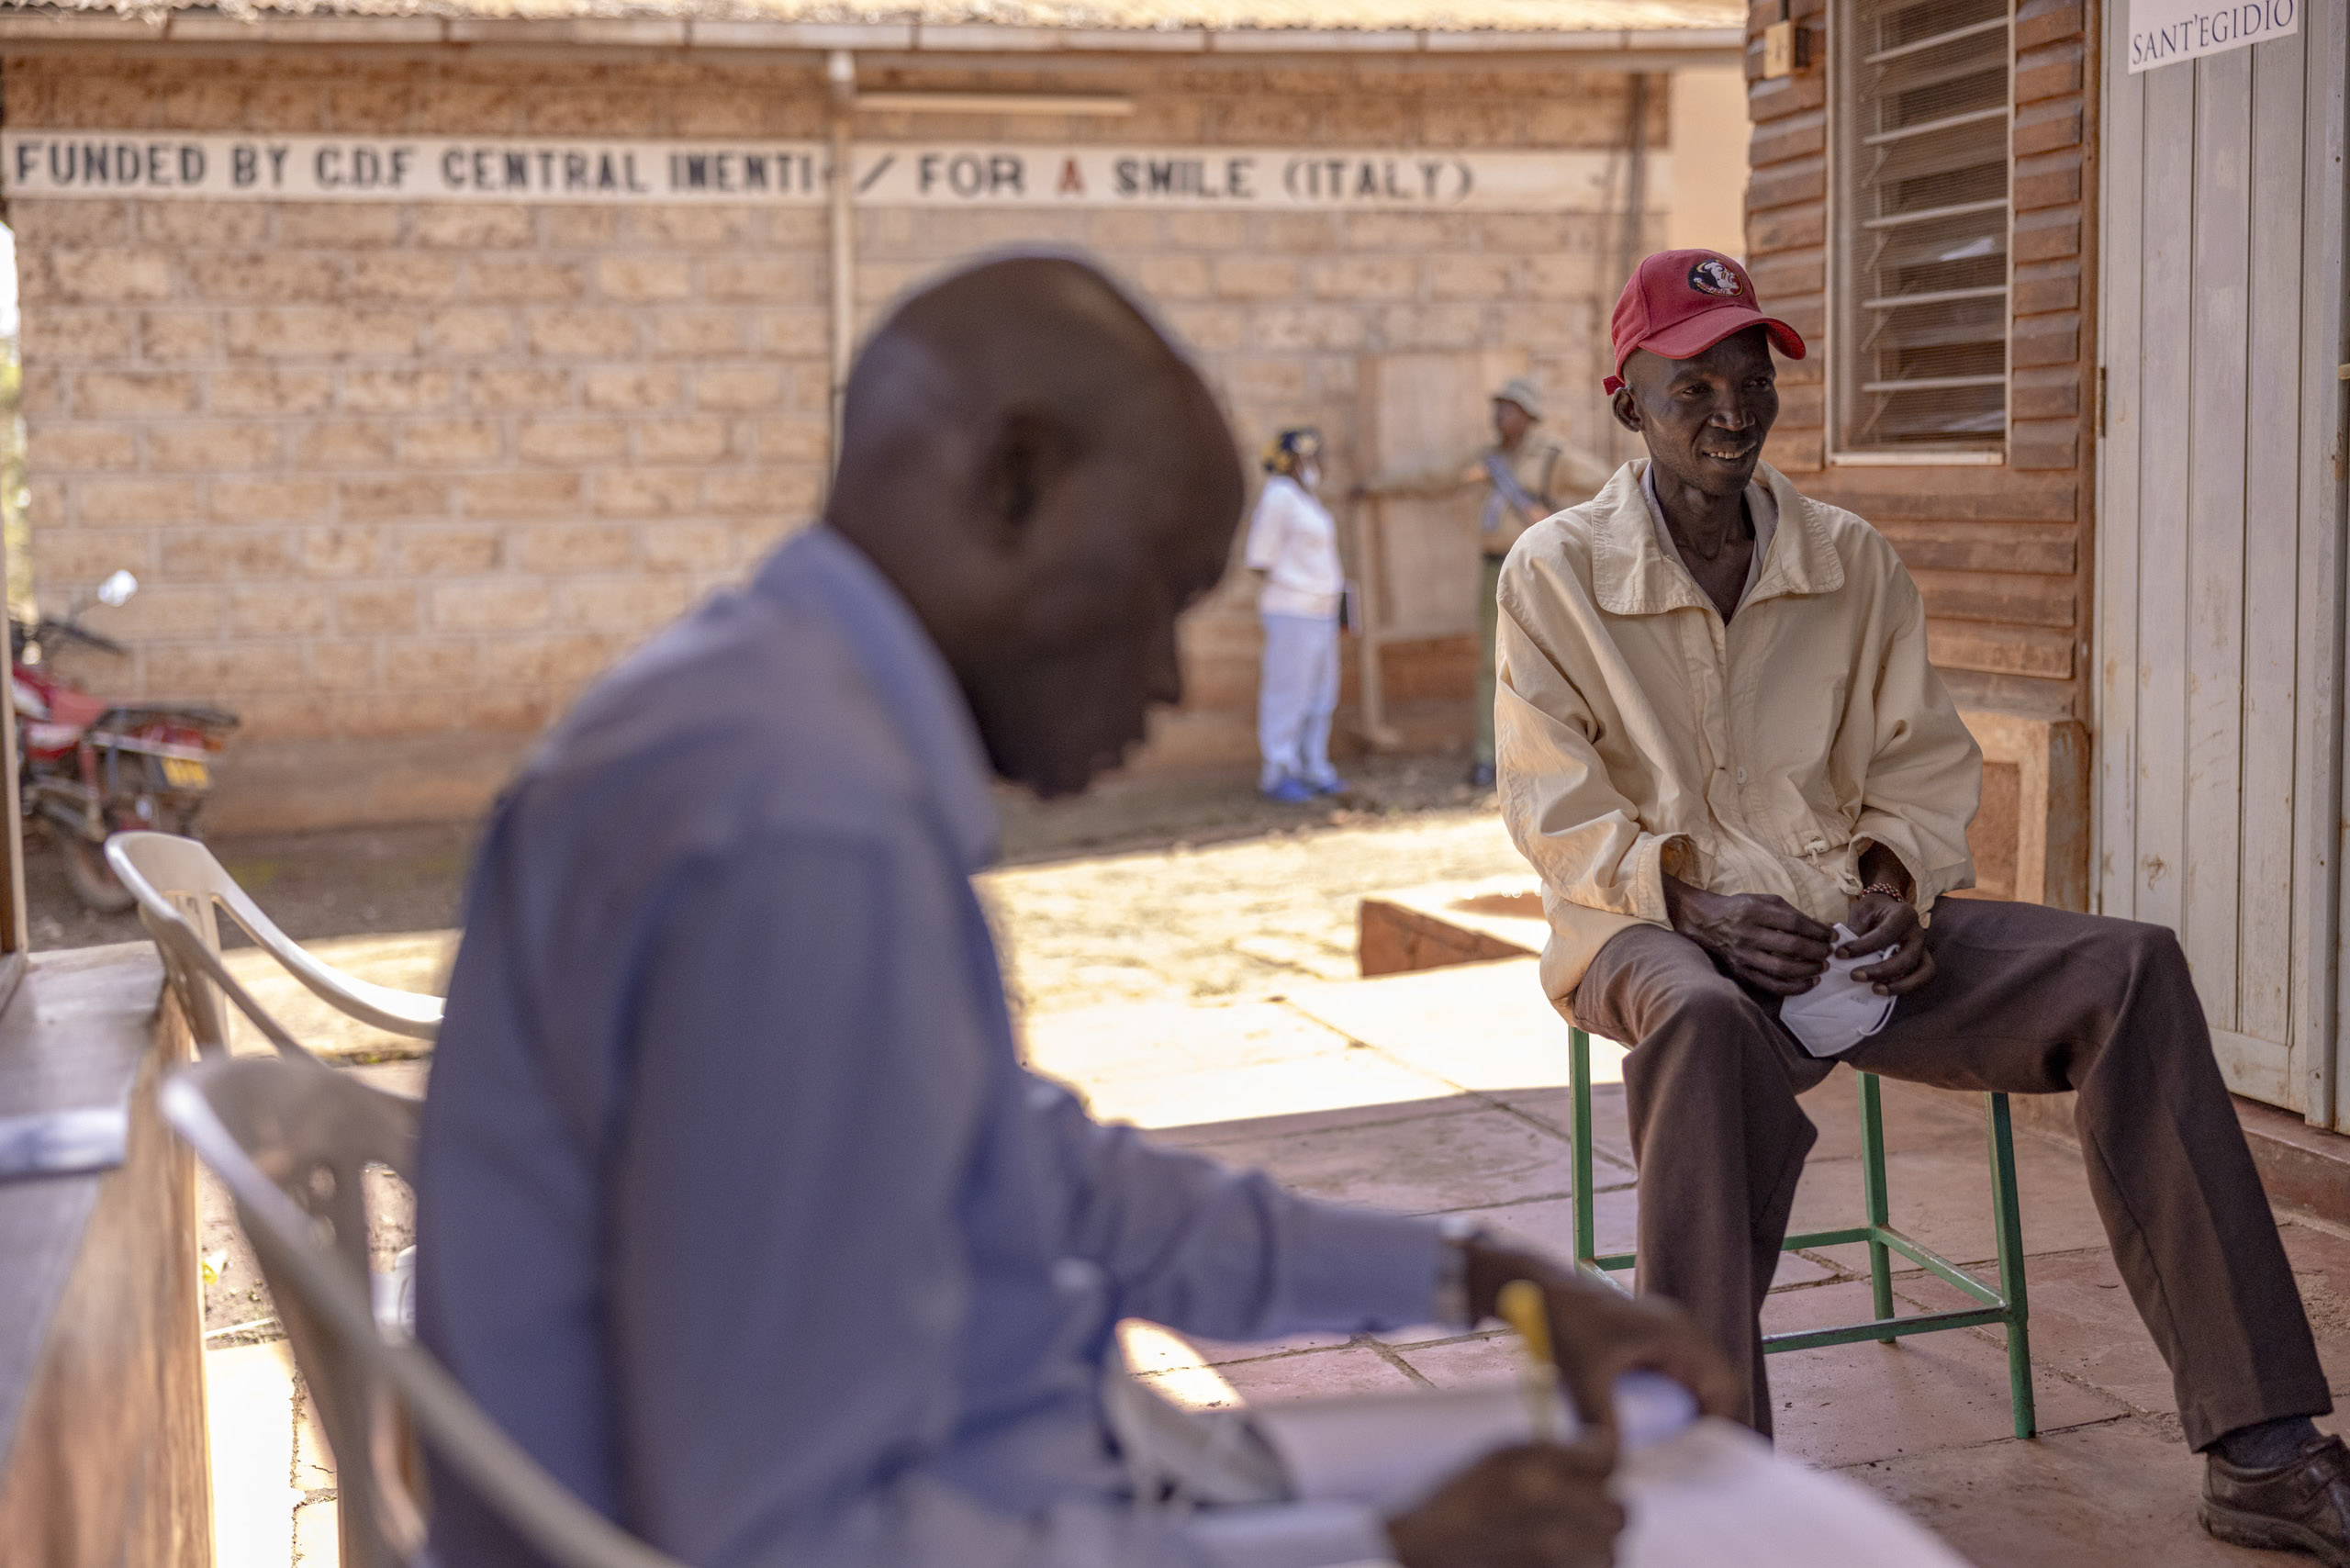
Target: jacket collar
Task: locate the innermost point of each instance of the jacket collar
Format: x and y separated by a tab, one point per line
1630	575
819	572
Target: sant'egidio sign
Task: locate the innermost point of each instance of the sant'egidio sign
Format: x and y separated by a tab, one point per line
429	168
2161	31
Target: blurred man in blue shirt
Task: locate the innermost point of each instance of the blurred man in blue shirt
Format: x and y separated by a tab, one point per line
736	1206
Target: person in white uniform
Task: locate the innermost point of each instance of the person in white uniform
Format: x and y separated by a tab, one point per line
1293	549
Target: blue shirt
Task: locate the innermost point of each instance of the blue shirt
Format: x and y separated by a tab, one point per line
736	1205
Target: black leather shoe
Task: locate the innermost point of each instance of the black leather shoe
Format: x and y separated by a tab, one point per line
2301	1507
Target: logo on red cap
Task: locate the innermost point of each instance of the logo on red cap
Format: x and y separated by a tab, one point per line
1678	303
1712	276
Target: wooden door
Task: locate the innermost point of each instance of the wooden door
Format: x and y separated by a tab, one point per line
2220	559
1418	557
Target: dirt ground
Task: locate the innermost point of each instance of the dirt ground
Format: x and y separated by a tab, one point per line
366	880
1215	923
315	885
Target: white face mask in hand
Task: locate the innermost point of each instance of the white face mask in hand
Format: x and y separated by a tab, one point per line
1838	1011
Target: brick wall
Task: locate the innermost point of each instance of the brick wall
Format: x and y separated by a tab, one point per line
398	478
2001	553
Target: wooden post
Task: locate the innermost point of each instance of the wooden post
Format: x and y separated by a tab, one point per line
1370	691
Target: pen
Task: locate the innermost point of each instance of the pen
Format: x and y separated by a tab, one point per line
1521	1305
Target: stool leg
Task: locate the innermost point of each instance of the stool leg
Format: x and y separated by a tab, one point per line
2007	1213
1579	1069
1874	1197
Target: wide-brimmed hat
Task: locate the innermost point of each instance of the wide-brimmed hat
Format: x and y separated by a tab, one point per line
1521	390
1681	303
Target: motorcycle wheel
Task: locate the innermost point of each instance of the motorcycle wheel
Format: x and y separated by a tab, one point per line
92	880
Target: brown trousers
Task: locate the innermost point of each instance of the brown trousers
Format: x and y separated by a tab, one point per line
2024	999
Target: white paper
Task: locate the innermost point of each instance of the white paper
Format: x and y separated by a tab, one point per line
1717	1494
1389	1451
1711	1494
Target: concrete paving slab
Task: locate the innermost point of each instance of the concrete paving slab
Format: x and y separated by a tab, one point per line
2084	1324
1317	1375
1321	958
316	1541
1916	1118
2321	1259
1354	1086
249	1411
1215	1352
1255	1132
1611	1139
1942	1198
1795	1270
1415	1333
1444	924
1852	1403
313	1460
2113	1495
1482	1360
1144	1041
1548	1223
1174	1365
1469	1159
1482	1027
1172	1065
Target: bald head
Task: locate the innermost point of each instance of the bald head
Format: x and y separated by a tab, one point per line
1041	332
1048	483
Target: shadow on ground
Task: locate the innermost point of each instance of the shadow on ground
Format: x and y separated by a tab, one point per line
360	881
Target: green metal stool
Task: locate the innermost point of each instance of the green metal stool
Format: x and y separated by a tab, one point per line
2005	1305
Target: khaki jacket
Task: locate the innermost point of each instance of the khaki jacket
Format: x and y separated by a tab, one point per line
1637	735
1547	468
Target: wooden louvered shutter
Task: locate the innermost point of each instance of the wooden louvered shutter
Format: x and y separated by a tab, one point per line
1918	294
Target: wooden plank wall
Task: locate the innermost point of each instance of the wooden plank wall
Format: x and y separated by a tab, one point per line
2219	597
2000	552
2322	838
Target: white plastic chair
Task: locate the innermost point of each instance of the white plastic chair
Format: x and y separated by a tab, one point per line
177	880
291	1140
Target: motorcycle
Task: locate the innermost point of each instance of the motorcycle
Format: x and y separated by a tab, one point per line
88	768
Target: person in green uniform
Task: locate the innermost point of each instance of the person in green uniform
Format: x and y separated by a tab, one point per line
1527	474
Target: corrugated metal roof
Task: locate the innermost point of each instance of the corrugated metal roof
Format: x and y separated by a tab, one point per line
1448	17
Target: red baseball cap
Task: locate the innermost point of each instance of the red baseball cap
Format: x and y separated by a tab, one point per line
1681	303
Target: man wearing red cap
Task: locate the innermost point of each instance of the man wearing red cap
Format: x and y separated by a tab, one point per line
1723	745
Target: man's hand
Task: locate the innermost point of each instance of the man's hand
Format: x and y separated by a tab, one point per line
1538	1506
1767	942
1879	921
1598	1333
